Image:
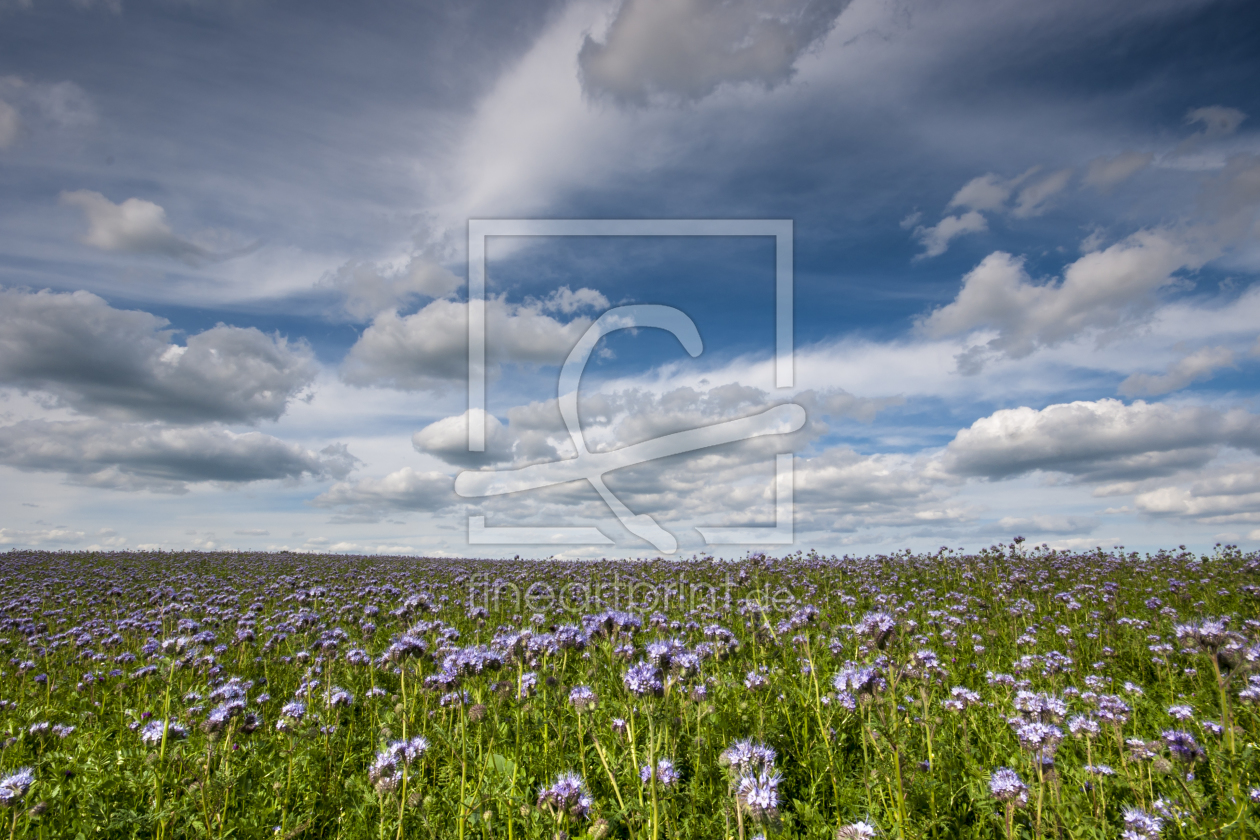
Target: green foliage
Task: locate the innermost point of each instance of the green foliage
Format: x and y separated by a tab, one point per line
113	644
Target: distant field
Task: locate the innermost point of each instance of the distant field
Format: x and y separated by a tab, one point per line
1017	692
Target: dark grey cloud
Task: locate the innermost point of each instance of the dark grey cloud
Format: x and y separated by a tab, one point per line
119	363
133	456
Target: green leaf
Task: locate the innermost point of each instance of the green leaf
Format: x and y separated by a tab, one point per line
501	765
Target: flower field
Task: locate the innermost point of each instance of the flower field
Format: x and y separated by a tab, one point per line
1014	692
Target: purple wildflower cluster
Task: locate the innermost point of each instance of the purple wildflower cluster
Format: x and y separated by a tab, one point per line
754	780
387	770
1006	786
340	644
566	796
665	773
153	730
13	788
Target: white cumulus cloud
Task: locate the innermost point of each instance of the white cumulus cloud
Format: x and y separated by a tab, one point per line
428	350
1103	440
1102	289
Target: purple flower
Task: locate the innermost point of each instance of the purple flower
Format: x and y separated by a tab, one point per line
758	795
383	772
876	626
566	795
14	786
1140	825
529	684
152	732
1182	745
746	757
583	697
1042	738
1082	726
386	769
1044	708
666	773
643	679
1006	786
856	831
1181	712
1210	633
858	680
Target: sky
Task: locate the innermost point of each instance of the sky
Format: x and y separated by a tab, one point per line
234	287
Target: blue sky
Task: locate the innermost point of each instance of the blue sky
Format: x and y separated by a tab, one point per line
233	269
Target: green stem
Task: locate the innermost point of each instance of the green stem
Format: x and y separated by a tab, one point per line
656	816
599	750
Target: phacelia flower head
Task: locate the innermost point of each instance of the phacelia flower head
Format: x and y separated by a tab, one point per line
384	773
583	697
386	770
567	795
756	679
643	679
1182	745
14	787
666	773
757	794
1006	786
744	756
295	710
1139	825
152	732
879	627
1210	634
858	680
1083	727
1181	712
960	697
